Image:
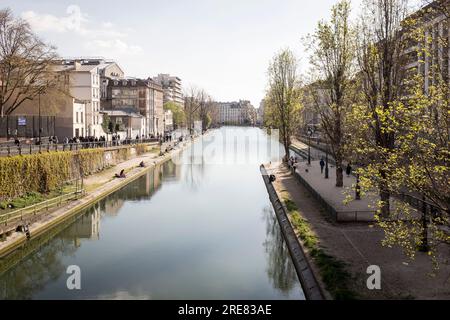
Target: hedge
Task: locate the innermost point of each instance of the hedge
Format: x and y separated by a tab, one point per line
44	172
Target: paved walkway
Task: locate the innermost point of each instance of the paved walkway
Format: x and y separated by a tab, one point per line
341	199
359	245
316	154
337	196
107	175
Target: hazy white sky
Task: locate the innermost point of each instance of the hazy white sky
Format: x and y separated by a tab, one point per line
223	46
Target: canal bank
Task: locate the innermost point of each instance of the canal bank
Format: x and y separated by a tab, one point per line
310	285
101	190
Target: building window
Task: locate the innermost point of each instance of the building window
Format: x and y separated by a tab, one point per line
76	117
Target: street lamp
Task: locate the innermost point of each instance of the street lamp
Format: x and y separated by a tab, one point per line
327	175
309	146
358	188
40	121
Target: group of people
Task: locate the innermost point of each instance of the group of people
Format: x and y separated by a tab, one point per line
293	163
85	140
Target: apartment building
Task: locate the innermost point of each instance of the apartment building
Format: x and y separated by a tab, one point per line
85	86
68	119
431	57
172	88
236	113
142	96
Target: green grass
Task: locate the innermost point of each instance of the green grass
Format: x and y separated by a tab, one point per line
22	202
332	271
32	198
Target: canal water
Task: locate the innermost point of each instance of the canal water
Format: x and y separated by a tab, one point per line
198	227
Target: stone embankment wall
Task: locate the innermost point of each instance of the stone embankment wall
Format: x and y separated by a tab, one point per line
309	283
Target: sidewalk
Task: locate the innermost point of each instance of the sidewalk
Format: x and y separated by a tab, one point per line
355	210
107	175
359	246
316	154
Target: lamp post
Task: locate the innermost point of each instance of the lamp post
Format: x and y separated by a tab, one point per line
40	121
358	188
327	173
309	146
424	246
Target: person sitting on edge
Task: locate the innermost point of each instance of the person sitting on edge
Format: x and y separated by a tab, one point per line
142	164
121	175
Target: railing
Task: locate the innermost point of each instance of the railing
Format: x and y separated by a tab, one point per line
22	149
356	216
421	205
304	155
38	209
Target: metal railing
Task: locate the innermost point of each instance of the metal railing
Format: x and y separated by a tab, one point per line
22	149
36	210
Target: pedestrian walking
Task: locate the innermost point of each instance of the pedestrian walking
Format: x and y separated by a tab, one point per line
348	170
322	165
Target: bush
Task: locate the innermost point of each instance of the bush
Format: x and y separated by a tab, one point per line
37	172
25	175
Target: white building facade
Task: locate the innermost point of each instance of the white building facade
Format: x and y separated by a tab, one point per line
85	86
172	87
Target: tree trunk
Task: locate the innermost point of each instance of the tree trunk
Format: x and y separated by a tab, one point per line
339	170
286	151
339	176
385	203
385	196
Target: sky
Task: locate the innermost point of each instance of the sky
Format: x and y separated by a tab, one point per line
222	46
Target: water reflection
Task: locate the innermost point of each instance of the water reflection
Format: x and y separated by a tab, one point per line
39	262
280	268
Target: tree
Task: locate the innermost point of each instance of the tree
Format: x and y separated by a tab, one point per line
191	106
25	64
437	6
198	106
179	116
401	128
333	48
206	104
283	96
381	45
107	125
